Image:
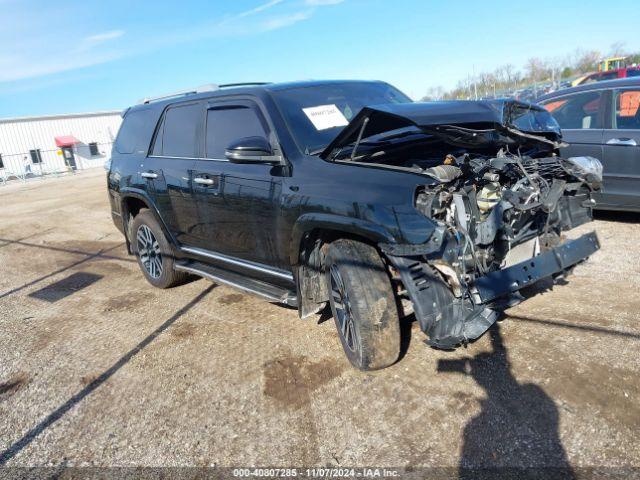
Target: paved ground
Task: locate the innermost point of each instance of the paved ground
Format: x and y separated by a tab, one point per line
99	368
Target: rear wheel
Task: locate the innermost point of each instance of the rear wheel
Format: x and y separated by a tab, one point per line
153	251
363	305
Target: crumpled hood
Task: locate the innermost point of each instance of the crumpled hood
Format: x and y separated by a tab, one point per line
464	123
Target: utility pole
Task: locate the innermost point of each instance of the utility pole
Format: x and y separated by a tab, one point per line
475	85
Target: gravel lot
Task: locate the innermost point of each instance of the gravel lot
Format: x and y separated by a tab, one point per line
97	368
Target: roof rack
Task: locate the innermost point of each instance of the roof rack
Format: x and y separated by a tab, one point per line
244	84
211	87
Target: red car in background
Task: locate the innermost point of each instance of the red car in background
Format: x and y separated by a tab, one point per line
611	75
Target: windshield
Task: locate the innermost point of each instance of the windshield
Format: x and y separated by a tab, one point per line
532	120
316	114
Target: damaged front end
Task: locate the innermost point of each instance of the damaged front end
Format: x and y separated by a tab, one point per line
500	199
500	222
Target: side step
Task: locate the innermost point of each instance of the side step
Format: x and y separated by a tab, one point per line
273	293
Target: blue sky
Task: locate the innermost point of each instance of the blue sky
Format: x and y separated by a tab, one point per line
63	56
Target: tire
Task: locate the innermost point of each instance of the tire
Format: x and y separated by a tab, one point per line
153	252
361	294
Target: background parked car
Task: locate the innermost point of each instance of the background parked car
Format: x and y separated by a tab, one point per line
610	75
602	120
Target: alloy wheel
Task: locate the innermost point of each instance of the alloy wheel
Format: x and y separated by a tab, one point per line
149	251
342	307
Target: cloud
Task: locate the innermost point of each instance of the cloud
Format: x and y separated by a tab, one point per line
258	9
321	3
282	21
104	36
47	52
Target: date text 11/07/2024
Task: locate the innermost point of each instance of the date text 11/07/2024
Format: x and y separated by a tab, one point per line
371	472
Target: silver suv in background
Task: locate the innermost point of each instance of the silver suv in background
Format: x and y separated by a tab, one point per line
602	120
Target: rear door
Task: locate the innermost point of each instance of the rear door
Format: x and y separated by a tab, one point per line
238	204
622	150
168	169
581	118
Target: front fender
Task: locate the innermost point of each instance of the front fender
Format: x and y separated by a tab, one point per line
327	221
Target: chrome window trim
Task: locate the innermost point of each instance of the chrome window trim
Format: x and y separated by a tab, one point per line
189	158
591	90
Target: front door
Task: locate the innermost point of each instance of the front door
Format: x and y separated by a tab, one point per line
622	151
581	118
69	157
238	204
168	170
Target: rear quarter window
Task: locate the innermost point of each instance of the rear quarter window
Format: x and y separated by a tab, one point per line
135	132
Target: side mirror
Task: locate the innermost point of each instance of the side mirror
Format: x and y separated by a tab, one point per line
251	150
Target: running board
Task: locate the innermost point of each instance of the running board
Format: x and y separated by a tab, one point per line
273	293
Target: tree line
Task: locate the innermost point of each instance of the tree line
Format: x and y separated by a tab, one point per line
537	71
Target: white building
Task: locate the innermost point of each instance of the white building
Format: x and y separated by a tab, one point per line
32	146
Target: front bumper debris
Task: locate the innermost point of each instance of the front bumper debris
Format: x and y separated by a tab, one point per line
450	320
551	262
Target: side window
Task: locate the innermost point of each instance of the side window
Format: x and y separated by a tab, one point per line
36	156
135	131
93	149
627	109
579	111
157	144
180	132
227	124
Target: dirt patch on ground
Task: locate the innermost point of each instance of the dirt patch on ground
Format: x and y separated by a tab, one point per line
292	380
231	298
13	384
89	378
124	303
184	330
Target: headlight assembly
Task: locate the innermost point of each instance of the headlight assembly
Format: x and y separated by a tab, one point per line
588	167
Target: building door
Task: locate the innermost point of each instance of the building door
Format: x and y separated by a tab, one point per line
69	157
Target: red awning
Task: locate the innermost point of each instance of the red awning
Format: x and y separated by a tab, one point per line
66	141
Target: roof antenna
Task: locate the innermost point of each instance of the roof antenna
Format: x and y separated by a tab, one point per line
355	147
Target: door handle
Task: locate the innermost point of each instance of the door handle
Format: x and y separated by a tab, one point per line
149	175
204	181
625	142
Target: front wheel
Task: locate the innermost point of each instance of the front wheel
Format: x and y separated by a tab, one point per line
363	304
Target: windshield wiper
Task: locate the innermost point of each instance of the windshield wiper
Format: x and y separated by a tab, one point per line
314	152
397	135
378	141
355	147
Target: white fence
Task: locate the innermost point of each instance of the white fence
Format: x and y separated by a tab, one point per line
23	166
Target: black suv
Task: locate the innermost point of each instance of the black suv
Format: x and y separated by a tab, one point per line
348	193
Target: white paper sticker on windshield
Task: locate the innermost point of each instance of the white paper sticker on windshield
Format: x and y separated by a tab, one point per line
325	116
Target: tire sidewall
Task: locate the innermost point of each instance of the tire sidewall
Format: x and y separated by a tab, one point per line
372	303
147	218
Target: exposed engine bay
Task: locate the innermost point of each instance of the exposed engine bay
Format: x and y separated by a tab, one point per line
492	205
493	215
500	198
